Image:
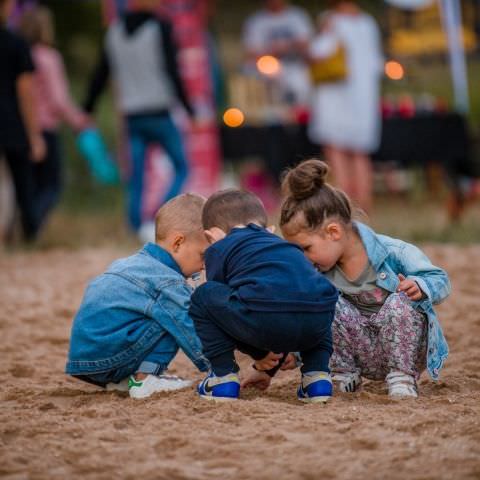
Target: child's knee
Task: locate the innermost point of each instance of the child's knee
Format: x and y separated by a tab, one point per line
201	296
399	310
399	302
344	310
212	293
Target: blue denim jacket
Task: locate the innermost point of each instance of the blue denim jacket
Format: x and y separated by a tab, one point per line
389	257
139	301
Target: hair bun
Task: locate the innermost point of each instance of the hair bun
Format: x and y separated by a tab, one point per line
305	179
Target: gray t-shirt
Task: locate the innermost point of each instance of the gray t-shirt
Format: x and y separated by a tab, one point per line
362	292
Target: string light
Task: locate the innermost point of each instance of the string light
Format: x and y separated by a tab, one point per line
268	65
394	70
233	117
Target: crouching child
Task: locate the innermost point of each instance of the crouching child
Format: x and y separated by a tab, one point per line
134	317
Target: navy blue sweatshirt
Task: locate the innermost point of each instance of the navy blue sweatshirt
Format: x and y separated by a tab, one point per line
267	273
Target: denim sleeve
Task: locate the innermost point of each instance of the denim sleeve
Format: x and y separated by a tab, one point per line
170	309
433	280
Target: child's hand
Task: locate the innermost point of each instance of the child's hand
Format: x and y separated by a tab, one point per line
256	379
410	288
290	362
269	362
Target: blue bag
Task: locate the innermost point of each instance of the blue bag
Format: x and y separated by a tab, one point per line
91	145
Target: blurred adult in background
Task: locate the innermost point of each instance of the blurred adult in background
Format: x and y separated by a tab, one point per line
282	30
140	54
53	104
345	115
21	141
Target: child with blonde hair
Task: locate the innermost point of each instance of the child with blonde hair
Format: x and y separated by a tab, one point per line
134	317
385	326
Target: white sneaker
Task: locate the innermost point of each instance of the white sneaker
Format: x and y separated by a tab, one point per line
401	385
155	383
121	386
347	381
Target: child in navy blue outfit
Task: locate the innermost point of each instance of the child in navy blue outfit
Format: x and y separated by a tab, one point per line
261	297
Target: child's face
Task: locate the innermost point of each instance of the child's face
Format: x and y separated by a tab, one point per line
188	253
323	247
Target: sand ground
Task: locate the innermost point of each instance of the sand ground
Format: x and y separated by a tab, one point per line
54	427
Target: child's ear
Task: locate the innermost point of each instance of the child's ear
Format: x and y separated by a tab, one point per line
333	231
209	236
271	228
178	240
214	234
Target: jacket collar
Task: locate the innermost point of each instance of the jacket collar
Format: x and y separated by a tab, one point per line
376	251
160	254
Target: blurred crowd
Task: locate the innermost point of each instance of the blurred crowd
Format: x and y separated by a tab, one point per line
333	67
330	66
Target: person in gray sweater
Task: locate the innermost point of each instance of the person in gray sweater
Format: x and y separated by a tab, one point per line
140	55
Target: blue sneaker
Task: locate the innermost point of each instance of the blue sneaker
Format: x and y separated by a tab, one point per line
226	387
315	387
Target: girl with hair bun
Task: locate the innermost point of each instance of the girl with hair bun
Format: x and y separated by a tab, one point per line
385	327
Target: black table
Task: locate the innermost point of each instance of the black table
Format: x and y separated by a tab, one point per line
443	139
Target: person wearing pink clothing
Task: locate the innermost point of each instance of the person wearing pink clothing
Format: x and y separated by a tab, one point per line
53	103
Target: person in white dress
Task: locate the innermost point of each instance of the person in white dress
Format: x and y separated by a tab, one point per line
345	116
284	31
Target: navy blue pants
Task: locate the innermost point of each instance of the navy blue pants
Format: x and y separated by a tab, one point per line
37	185
48	176
224	324
21	168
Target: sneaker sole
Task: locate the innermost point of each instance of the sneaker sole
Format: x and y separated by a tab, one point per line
116	387
137	396
315	400
217	399
140	397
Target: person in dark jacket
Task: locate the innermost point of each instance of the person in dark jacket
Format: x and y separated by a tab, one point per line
262	298
21	141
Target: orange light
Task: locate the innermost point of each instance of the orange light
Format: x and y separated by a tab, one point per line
268	65
394	70
233	117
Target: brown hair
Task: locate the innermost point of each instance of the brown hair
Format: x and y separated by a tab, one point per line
36	25
227	208
182	213
310	200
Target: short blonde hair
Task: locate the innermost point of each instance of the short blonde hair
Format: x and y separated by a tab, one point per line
182	214
36	26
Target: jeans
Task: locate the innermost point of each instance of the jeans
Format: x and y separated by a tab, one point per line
144	130
48	177
160	357
37	185
21	168
154	362
224	323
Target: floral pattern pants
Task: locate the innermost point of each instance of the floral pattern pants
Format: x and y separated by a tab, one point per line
395	338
